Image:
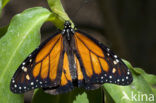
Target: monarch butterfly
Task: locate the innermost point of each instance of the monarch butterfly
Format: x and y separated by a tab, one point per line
68	59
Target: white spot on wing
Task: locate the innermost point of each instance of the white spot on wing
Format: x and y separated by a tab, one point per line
108	54
128	73
22	67
24	87
127	77
15	85
25	69
117	60
30	60
32	83
108	49
13	81
115	56
27	77
101	77
114	62
113	70
110	76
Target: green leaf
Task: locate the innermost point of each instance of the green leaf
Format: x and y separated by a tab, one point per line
133	92
3	30
107	97
58	16
76	96
151	79
22	37
2	4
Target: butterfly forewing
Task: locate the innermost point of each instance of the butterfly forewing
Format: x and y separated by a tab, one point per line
98	64
43	68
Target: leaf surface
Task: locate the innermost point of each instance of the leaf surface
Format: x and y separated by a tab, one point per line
21	38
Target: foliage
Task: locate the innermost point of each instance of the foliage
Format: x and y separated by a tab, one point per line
21	38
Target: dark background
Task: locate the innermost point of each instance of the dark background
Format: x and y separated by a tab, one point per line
128	27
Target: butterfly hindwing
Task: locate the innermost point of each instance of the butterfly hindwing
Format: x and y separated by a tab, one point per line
66	79
98	63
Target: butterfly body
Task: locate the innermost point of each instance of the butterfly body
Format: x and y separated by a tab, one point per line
69	48
68	59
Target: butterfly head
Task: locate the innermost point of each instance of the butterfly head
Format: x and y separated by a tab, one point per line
68	31
67	25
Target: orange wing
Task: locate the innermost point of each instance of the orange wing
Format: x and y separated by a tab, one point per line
43	67
47	59
46	67
96	64
66	79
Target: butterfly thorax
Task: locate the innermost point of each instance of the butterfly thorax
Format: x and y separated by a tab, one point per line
68	31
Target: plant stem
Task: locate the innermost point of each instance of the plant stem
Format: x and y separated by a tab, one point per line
58	16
